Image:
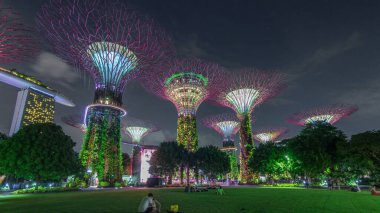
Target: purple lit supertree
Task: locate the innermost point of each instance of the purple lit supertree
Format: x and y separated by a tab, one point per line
137	129
74	121
16	40
186	83
328	114
269	135
112	43
227	125
244	91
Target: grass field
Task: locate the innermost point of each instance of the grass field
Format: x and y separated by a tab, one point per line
235	200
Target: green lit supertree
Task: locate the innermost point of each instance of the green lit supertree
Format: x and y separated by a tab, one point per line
227	125
112	43
186	83
243	91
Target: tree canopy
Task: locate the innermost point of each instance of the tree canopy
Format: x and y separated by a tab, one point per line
212	161
39	151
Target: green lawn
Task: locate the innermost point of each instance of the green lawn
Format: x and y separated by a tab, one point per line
235	200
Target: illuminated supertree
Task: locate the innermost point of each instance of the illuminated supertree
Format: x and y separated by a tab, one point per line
186	83
137	129
227	125
269	135
16	40
74	121
329	114
244	91
111	43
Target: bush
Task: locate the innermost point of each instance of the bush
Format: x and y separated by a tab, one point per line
117	184
44	190
104	184
282	185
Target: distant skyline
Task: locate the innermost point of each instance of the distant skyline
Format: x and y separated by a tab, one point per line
329	49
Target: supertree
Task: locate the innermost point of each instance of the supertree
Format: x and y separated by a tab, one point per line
245	90
227	125
137	129
328	114
74	121
186	83
269	135
112	43
16	40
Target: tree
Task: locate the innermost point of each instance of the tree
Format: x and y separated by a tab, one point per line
362	156
39	151
317	148
167	160
212	161
273	160
3	136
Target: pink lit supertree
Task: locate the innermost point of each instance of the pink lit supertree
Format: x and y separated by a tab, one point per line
328	114
16	39
186	83
137	129
74	121
245	90
112	43
269	135
227	125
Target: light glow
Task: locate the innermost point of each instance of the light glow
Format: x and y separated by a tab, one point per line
243	99
320	118
112	61
269	135
186	91
136	133
228	128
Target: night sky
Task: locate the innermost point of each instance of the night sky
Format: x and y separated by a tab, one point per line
330	50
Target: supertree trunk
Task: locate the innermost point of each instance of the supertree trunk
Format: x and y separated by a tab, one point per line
136	163
234	174
101	151
246	148
187	132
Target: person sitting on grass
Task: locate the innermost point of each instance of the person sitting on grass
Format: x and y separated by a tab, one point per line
149	205
374	192
220	191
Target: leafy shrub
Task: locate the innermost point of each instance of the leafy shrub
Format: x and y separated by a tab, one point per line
44	190
117	184
282	185
104	184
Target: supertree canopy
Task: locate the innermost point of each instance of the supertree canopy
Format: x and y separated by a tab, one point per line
244	91
269	135
112	43
74	121
227	125
137	129
186	83
329	114
16	40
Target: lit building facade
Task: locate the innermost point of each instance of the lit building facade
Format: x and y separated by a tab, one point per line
146	154
32	106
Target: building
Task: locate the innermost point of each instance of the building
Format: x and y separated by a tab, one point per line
35	102
32	106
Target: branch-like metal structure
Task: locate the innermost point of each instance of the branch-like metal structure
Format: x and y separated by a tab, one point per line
186	83
74	121
245	90
269	135
137	129
17	42
112	43
328	114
